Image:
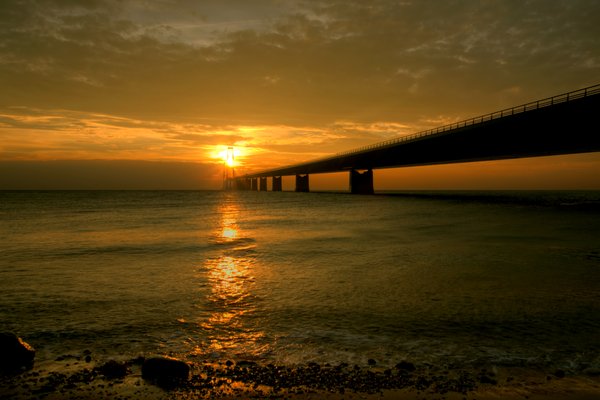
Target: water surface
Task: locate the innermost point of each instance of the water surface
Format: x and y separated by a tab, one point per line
447	278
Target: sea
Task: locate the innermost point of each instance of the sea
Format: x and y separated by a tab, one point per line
455	279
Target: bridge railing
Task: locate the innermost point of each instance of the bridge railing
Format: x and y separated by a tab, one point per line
561	98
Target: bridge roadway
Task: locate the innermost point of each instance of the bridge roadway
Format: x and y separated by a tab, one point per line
562	124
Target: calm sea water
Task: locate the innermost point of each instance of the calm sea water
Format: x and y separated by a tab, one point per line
455	279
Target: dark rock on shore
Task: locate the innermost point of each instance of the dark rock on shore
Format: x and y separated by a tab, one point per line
165	370
16	355
246	364
405	366
113	370
487	379
592	371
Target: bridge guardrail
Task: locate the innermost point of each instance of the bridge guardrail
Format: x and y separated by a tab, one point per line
561	98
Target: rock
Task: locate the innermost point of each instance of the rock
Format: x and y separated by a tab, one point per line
559	373
592	371
247	364
139	360
16	355
165	370
405	366
371	361
487	379
113	370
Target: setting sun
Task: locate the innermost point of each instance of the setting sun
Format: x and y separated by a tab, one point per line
229	156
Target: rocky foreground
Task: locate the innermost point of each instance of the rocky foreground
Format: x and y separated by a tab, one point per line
150	378
80	376
243	378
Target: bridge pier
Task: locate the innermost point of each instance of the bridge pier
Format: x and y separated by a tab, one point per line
243	184
263	184
302	183
277	186
361	183
254	184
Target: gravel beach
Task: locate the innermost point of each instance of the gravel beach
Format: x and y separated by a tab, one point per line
78	377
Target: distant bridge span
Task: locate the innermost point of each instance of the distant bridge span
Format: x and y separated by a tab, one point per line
562	124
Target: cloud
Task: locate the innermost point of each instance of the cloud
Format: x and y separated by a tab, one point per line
311	61
108	175
55	134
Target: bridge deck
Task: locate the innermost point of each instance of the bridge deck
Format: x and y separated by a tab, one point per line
562	124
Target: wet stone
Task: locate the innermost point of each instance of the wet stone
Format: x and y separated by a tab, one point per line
592	371
487	380
405	366
165	370
17	355
245	363
113	370
137	361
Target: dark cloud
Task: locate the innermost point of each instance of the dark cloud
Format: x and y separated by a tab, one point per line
322	61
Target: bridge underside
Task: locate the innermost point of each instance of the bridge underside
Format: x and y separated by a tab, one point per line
564	128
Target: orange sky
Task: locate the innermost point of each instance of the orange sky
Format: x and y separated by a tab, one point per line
107	94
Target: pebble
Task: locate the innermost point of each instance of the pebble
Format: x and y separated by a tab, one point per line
165	371
17	355
405	366
113	369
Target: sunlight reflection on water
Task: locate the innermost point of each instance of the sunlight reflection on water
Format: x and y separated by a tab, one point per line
229	328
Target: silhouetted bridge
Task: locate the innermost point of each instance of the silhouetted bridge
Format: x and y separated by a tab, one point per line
562	124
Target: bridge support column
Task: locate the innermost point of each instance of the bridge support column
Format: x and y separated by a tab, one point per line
361	183
277	186
263	184
253	184
302	183
242	184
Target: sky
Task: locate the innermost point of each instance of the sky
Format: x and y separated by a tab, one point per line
140	94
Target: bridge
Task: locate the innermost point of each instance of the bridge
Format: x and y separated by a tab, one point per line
562	124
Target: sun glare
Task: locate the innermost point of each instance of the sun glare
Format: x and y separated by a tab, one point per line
229	156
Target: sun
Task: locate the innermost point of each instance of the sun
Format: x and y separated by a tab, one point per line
229	156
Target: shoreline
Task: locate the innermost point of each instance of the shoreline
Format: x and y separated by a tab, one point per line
75	377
